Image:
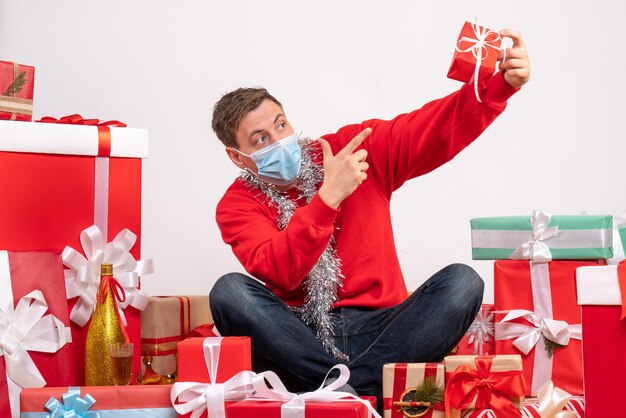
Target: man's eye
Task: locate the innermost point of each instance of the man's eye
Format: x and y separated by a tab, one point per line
262	140
282	125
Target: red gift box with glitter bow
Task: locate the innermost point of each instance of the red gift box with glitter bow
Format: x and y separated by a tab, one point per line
58	179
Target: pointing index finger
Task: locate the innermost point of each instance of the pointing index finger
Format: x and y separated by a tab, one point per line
356	141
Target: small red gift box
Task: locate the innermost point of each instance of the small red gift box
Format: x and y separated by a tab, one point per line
602	296
476	54
23	362
479	382
224	357
57	180
479	338
271	409
119	401
17	83
166	321
399	378
544	325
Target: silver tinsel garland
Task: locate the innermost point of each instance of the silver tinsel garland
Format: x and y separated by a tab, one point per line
325	278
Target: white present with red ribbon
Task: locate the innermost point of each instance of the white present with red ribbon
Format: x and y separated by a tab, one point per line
601	294
58	179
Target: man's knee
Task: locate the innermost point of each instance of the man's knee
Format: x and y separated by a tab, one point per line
465	281
226	289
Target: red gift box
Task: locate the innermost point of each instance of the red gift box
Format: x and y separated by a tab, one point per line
17	83
270	409
601	294
479	338
224	357
478	382
543	296
124	401
20	274
530	409
54	184
400	377
475	56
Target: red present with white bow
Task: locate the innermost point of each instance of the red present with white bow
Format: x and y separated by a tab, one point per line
601	294
275	401
17	82
400	379
479	338
58	179
475	55
168	320
34	326
543	320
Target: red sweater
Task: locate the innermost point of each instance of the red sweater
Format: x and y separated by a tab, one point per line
408	146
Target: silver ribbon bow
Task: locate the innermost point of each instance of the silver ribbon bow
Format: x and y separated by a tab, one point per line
535	248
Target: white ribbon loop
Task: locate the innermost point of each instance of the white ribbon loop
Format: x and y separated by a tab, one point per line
535	249
25	329
552	400
483	38
211	347
82	279
527	336
196	398
294	405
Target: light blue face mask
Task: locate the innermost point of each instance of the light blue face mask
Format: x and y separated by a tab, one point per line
278	163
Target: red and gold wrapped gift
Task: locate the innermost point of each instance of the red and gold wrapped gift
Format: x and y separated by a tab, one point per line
213	359
400	378
88	401
34	326
17	83
543	324
484	382
602	296
479	338
475	55
56	180
166	321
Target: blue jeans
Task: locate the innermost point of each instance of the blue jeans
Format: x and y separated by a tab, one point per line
423	328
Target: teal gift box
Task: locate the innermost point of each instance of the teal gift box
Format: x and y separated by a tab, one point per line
543	237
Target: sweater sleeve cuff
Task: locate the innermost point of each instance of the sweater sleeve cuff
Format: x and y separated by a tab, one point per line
320	213
499	91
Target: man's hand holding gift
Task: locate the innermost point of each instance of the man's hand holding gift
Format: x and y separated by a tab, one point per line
514	61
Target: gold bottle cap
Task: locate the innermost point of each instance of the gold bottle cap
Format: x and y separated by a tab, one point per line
106	269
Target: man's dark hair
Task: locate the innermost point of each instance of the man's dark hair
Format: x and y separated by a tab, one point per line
233	107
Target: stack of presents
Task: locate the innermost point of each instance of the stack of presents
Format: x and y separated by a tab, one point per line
549	346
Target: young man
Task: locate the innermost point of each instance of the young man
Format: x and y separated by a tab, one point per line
310	219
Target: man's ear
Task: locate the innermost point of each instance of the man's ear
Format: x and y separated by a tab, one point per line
235	157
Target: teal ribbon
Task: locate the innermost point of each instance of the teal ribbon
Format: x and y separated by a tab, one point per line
73	405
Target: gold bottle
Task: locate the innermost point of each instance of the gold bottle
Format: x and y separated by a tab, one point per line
105	328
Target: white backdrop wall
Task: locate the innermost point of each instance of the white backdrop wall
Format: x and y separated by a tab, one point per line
162	65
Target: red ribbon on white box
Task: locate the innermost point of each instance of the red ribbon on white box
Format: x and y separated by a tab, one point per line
25	328
541	325
82	279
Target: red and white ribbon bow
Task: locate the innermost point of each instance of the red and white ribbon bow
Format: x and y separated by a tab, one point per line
82	279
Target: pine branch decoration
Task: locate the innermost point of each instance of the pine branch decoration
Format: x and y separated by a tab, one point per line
428	391
550	346
17	84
